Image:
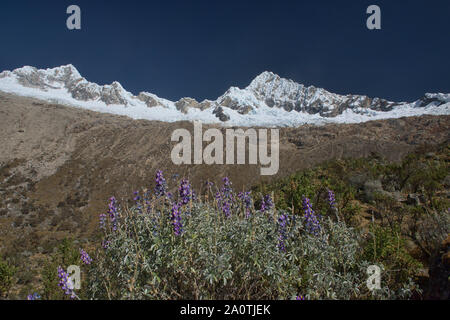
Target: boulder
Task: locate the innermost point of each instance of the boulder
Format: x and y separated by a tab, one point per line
357	181
415	199
371	188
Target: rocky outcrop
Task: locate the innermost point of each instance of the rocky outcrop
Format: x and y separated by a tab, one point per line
233	104
205	104
113	94
277	92
434	99
149	99
185	104
221	114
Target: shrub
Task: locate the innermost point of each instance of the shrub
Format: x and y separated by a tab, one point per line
386	246
432	229
65	255
167	248
7	273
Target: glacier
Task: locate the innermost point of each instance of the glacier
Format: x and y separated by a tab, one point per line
268	101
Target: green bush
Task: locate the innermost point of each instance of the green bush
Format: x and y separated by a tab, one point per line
235	257
65	255
225	248
7	273
386	246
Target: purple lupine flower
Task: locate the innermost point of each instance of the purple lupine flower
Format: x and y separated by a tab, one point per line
266	203
226	185
105	244
85	257
225	197
33	296
161	185
282	226
102	221
300	297
65	282
311	220
113	212
246	199
331	199
209	184
176	219
185	191
224	202
226	207
137	199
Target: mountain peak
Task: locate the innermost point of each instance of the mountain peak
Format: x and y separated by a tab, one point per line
267	74
264	77
68	69
71	69
269	83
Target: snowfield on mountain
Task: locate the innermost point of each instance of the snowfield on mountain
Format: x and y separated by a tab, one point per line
268	101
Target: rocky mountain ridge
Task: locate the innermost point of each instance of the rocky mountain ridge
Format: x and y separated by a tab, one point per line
267	100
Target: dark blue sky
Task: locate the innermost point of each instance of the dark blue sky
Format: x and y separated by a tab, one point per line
200	48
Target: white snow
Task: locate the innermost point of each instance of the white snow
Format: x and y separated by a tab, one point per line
266	85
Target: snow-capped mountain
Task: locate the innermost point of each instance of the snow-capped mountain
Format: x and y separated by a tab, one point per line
269	100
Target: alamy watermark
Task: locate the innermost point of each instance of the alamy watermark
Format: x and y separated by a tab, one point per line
74	20
74	273
374	280
374	20
213	153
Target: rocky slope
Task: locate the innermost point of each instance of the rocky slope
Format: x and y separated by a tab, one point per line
59	165
70	161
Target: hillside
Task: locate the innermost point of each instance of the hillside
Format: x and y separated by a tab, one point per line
59	165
